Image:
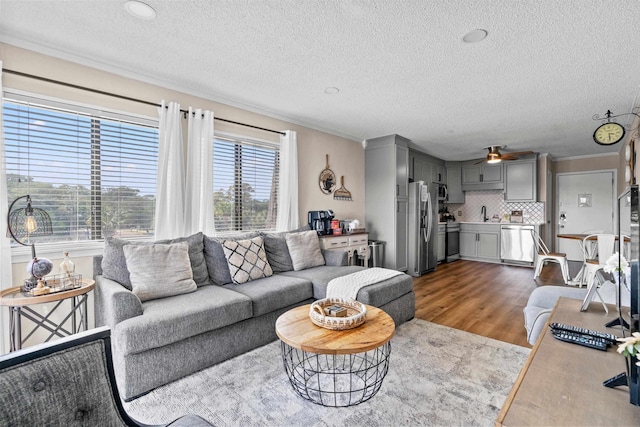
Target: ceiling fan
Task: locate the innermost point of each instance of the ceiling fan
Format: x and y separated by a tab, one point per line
494	155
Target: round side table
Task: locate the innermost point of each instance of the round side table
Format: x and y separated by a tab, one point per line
335	368
19	307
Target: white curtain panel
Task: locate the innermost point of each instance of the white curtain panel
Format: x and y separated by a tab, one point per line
288	194
198	207
6	281
171	174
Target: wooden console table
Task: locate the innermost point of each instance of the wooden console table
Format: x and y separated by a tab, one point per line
561	383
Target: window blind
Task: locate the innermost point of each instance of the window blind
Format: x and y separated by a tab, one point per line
245	182
93	172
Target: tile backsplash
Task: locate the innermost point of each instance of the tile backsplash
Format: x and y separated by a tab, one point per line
532	212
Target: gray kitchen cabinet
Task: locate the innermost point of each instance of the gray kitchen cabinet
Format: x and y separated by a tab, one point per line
386	197
521	180
439	174
402	231
402	171
441	243
468	243
426	168
483	176
422	170
480	242
454	184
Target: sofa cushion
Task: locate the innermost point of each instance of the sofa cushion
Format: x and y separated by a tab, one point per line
377	294
246	259
304	248
215	259
168	320
160	270
321	275
275	292
114	265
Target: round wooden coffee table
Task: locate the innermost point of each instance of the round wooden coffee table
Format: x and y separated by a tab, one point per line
335	368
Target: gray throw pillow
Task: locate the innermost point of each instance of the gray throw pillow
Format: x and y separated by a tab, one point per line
159	270
114	265
215	258
247	260
275	245
304	248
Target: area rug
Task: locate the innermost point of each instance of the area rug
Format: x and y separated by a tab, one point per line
437	376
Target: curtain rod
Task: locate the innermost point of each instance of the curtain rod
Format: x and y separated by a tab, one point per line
127	98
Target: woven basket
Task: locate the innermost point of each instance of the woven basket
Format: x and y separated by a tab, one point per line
356	314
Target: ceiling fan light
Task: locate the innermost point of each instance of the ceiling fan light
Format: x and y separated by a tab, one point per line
493	157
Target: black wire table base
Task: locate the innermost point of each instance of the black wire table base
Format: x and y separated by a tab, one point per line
336	380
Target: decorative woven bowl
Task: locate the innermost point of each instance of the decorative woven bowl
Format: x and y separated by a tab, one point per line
356	313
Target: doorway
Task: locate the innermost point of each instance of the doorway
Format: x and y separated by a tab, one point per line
585	202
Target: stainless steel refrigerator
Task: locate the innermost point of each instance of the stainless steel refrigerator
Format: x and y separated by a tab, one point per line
423	227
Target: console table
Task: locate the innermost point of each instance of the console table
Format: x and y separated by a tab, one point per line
561	383
355	244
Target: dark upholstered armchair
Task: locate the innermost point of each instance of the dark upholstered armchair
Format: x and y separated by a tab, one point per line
67	382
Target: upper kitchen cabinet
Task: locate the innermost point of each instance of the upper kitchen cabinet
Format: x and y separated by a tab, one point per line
521	180
402	170
386	196
454	183
483	176
426	168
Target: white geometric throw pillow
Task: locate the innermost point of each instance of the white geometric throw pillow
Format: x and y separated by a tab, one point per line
247	259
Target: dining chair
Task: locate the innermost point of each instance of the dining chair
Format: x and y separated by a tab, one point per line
545	255
595	257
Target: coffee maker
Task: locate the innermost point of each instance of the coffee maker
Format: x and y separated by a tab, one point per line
320	221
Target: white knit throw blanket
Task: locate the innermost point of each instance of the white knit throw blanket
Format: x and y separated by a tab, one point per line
349	285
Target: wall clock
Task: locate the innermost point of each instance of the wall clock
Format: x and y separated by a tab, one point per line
609	133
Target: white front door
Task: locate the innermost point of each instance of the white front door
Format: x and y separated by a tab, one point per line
585	203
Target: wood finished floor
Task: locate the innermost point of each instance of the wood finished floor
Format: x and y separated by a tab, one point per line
482	298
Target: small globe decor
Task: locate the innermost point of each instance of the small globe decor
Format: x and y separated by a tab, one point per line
22	225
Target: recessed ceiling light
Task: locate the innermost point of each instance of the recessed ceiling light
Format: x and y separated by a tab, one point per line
140	10
475	36
331	90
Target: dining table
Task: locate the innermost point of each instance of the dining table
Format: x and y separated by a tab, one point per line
578	279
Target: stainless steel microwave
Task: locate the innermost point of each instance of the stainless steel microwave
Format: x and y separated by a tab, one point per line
442	192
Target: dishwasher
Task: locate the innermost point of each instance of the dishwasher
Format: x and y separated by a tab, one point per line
516	243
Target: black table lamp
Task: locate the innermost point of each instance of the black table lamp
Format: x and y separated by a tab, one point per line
23	224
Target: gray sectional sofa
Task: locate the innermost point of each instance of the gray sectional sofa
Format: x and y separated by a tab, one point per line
159	340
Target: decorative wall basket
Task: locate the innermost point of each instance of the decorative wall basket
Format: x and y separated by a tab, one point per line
327	178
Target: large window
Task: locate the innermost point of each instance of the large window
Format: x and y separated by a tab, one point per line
245	183
94	172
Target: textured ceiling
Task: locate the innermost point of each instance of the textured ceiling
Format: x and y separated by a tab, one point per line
534	83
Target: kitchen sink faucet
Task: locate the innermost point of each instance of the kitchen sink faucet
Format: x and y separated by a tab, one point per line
483	211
